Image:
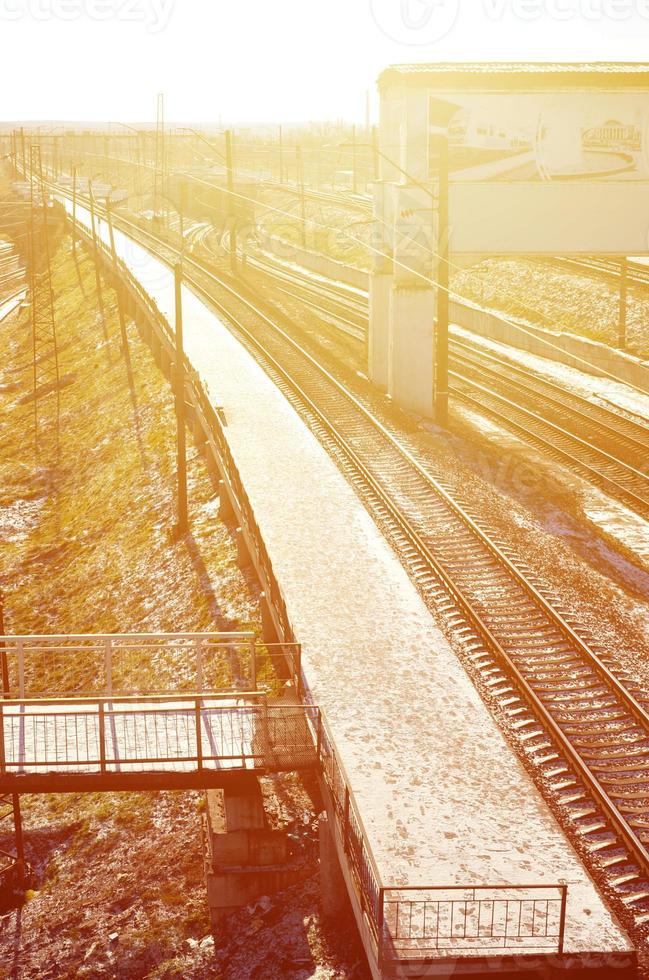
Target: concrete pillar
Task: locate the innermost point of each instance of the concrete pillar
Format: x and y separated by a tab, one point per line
243	804
226	510
379	328
333	892
412	299
245	859
380	287
268	631
410	377
198	431
243	554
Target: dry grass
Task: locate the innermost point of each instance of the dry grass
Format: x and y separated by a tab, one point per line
86	547
557	299
86	531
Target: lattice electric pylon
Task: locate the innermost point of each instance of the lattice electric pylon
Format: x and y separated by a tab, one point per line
160	172
45	354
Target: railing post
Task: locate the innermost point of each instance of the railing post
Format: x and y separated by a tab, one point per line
199	664
318	744
379	926
108	664
562	921
102	738
3	757
346	821
253	664
297	667
21	668
199	740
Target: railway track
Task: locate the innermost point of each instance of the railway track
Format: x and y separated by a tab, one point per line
606	448
582	724
637	272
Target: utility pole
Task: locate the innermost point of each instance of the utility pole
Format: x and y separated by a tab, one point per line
74	213
160	157
118	291
300	178
229	167
621	323
354	180
179	378
281	156
45	357
95	252
440	368
22	151
375	151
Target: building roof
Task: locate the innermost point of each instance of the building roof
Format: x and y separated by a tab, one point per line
494	75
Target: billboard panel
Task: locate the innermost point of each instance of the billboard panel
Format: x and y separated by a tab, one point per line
542	159
544	136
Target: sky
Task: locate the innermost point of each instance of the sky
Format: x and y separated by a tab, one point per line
267	60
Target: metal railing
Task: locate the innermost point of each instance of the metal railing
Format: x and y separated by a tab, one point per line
376	900
199	400
150	735
364	872
419	921
413	922
121	664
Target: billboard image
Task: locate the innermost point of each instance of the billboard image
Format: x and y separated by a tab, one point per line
543	136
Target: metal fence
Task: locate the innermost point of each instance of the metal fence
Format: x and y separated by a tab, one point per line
416	922
420	921
198	398
427	921
361	863
152	735
142	663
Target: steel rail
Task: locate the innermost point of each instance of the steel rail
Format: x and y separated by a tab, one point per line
629	484
634	432
464	603
505	412
609	268
626	833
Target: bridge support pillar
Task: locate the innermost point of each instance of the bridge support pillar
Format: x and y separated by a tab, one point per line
244	857
333	892
411	347
198	432
268	631
226	510
379	327
243	555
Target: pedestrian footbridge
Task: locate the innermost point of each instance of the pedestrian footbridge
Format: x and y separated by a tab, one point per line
155	712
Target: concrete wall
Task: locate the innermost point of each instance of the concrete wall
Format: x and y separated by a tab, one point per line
566	348
316	262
